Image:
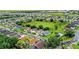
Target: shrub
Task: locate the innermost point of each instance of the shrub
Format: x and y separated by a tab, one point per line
53	42
7	42
69	33
21	44
56	27
28	25
19	22
46	28
33	26
37	19
51	20
41	19
40	27
61	20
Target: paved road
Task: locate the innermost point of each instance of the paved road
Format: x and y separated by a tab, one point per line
76	36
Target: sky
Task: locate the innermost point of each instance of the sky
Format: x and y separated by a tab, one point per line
38	4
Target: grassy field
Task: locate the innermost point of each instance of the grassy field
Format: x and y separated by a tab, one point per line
65	38
51	26
57	14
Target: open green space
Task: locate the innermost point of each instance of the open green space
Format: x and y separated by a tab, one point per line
54	27
76	46
57	14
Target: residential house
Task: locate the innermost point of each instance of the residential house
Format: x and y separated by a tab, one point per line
45	33
33	41
59	34
39	44
24	37
73	24
8	33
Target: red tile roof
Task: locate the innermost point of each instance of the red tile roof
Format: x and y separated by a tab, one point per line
39	44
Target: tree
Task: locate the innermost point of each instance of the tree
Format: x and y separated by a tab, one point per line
37	19
56	27
40	27
33	26
46	28
73	12
69	33
51	20
29	20
7	42
27	25
78	12
41	19
5	45
21	44
19	22
61	20
12	41
53	42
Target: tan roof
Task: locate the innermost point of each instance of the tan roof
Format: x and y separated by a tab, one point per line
31	41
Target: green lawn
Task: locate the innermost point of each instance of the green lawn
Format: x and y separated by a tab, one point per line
75	46
57	14
65	38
